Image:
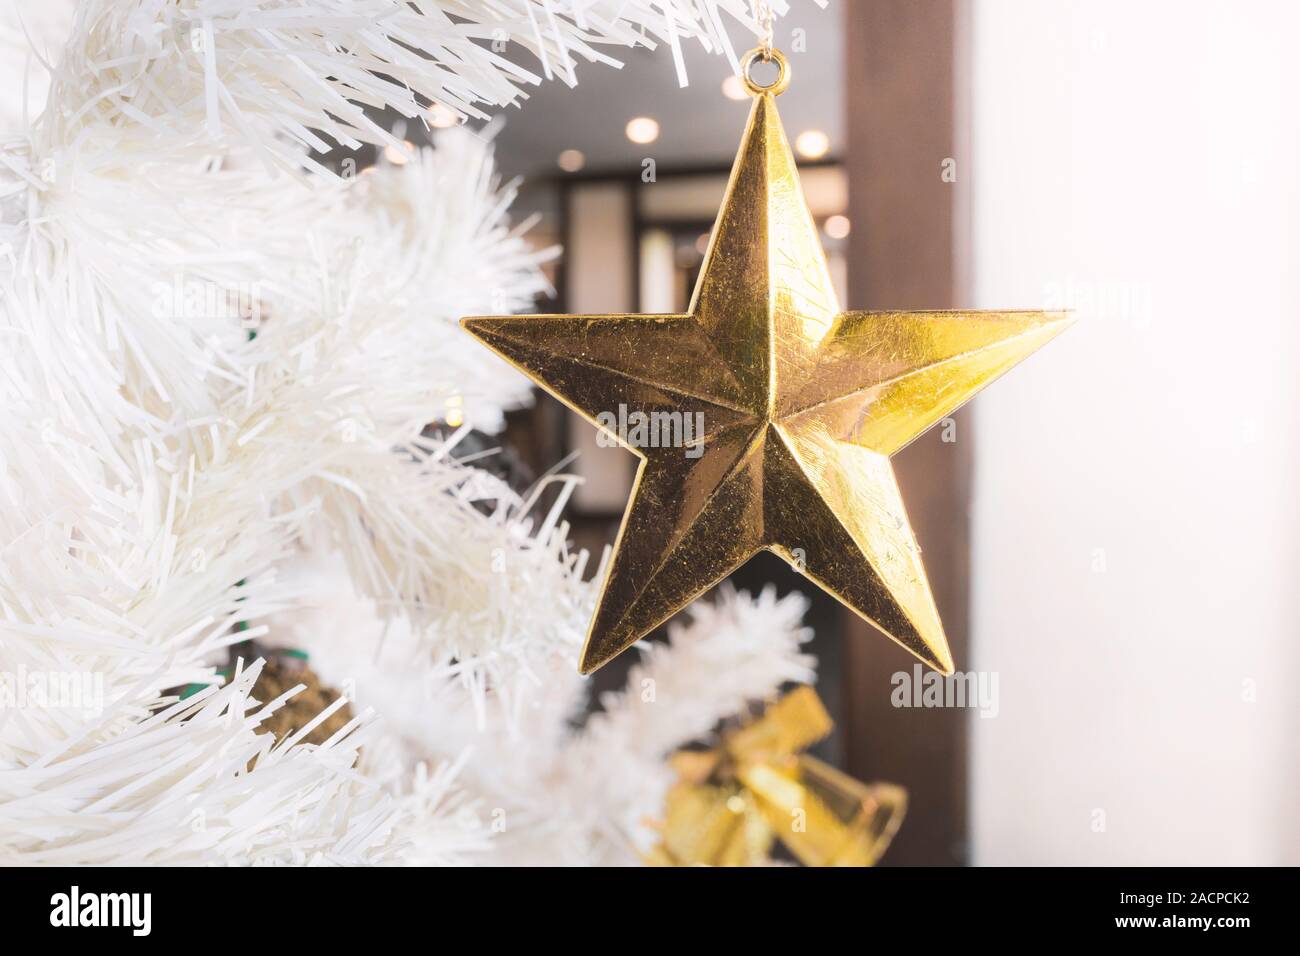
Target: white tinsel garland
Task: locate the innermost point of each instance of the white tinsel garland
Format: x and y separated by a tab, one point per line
174	788
514	782
291	76
160	468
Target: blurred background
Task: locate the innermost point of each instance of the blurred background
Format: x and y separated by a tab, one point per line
1111	530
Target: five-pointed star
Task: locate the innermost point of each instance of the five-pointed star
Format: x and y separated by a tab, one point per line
802	406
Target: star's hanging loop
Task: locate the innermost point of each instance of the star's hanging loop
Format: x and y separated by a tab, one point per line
773	55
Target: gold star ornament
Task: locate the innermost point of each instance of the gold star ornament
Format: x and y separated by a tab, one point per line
765	416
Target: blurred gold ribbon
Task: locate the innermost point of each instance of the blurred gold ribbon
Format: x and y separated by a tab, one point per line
732	803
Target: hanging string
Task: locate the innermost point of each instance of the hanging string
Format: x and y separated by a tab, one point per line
767	23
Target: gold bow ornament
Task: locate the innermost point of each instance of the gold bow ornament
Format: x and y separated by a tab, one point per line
732	803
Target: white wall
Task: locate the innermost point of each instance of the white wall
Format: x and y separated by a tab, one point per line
1136	564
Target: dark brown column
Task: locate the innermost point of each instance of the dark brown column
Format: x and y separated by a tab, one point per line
904	121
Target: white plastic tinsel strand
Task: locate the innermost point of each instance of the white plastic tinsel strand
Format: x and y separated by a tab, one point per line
515	782
285	76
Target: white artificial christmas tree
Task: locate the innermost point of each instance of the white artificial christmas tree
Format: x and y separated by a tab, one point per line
166	476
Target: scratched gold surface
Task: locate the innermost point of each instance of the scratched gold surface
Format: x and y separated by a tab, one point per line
802	406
